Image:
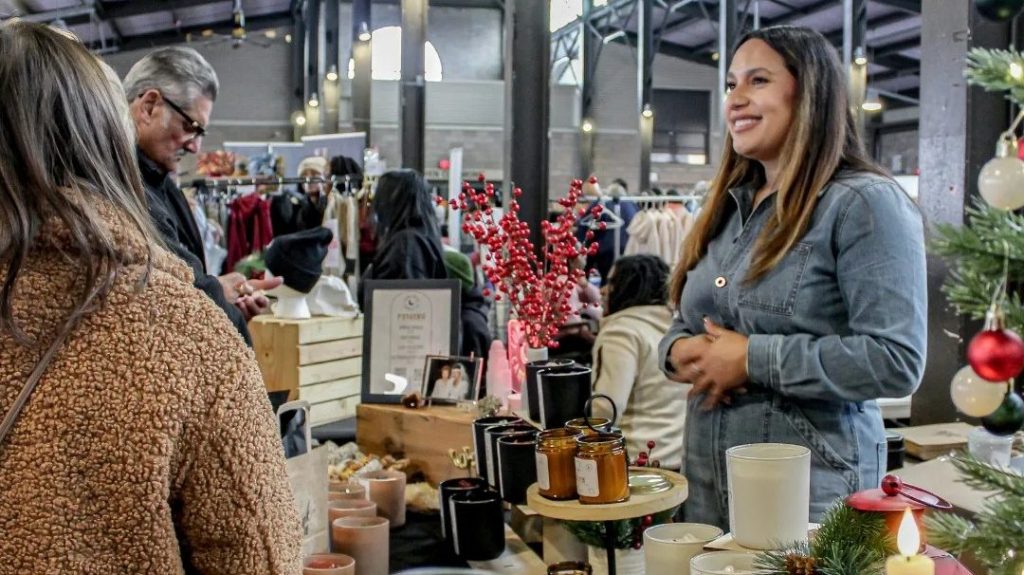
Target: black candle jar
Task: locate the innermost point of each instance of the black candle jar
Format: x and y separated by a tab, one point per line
451	487
479	446
530	391
492	435
517	465
478	525
562	394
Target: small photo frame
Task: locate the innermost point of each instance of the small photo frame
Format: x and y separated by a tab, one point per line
451	379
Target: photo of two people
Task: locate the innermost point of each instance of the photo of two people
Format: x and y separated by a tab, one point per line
451	379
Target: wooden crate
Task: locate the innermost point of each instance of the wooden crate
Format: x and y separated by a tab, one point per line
318	360
423	435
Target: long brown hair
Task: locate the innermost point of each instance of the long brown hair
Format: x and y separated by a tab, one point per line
822	139
64	150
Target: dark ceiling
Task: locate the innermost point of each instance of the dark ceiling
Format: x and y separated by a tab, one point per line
683	28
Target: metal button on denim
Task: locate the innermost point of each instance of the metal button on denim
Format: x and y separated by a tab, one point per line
720	281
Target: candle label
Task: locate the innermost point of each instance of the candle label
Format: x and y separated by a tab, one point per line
490	463
543	476
586	478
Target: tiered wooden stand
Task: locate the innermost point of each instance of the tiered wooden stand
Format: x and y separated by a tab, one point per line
637	506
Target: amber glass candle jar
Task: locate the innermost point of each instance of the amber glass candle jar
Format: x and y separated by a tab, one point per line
556	470
601	470
570	568
601	424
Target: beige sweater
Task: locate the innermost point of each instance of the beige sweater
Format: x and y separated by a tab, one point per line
149	445
626	368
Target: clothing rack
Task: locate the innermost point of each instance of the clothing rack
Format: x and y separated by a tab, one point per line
224	183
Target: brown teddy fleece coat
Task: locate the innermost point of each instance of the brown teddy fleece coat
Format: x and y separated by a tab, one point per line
149	445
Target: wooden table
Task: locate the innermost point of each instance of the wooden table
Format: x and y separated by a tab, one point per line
423	435
517	559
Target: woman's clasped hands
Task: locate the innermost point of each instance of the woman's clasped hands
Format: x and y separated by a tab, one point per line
715	362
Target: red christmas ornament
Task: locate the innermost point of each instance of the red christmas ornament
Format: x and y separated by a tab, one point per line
996	353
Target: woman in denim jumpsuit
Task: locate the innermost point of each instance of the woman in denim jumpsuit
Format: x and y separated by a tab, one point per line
802	289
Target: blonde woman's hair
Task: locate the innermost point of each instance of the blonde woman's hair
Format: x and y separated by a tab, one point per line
64	150
822	139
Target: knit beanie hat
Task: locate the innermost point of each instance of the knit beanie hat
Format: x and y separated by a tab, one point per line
459	267
314	163
298	257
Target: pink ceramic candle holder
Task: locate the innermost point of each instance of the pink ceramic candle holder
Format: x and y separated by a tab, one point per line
328	564
387	490
365	539
348	508
345	490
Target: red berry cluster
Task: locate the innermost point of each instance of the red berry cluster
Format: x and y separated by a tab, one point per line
643	459
537	289
638	533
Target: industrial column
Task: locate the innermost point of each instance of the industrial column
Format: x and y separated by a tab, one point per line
590	43
959	127
413	89
298	102
855	29
332	83
362	80
644	81
314	117
527	92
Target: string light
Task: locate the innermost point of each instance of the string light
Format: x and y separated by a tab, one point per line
1016	71
587	126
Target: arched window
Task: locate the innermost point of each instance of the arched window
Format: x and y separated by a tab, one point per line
386	49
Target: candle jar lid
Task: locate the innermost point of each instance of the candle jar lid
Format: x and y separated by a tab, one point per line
643	482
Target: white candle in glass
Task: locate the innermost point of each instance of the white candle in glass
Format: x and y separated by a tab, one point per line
908	540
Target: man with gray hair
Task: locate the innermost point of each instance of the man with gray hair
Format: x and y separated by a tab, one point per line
171	93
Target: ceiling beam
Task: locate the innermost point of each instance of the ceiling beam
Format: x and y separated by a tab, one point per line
892	74
253	24
809	10
913	6
895	47
451	3
143	7
671	49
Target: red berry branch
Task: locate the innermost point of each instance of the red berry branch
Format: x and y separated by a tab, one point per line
538	289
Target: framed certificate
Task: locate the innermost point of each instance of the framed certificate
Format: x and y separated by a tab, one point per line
406	320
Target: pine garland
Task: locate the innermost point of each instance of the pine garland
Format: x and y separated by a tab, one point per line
849	542
626	530
996	535
977	252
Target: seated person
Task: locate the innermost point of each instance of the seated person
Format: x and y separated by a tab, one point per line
651	407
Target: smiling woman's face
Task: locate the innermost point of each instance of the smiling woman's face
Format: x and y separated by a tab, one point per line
760	105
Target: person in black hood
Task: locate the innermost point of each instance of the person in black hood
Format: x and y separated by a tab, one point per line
408	237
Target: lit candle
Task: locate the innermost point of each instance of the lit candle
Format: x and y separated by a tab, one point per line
908	562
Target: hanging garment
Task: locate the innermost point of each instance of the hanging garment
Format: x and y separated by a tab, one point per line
211	234
643	235
249	228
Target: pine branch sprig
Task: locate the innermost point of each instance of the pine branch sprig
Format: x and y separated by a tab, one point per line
991	69
976	253
849	542
996	535
984	477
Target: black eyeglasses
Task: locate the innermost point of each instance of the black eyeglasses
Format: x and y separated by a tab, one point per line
195	128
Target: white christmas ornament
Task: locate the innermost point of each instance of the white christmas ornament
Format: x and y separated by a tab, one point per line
1001	181
974	396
